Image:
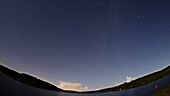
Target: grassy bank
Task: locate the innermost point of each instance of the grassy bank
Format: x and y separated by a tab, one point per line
29	80
164	92
33	81
139	82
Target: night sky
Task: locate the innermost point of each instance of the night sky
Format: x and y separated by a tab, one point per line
85	44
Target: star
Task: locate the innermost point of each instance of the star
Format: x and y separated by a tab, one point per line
137	16
128	23
48	33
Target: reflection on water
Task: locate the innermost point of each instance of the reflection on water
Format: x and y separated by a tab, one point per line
145	90
10	87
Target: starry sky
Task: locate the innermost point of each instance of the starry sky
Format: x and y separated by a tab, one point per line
85	44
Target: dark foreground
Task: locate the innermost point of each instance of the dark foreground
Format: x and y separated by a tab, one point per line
10	87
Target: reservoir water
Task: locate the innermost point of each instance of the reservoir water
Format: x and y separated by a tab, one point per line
10	87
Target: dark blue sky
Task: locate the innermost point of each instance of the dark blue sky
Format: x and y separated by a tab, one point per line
96	43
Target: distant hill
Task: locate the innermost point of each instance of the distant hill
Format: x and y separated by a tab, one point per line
138	82
29	80
35	82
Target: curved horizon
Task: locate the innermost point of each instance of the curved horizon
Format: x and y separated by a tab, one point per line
70	89
87	44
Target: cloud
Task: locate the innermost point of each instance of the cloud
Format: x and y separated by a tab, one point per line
129	79
117	84
80	87
71	86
